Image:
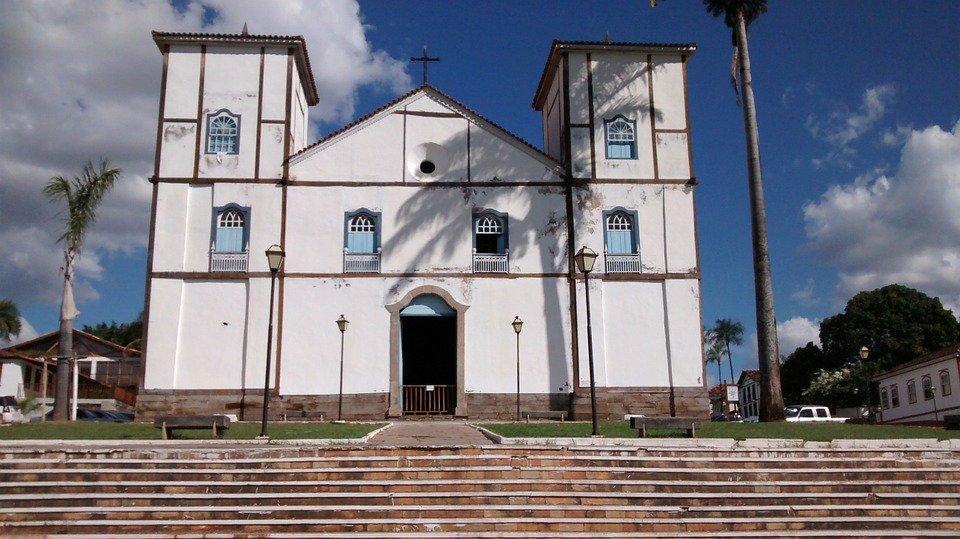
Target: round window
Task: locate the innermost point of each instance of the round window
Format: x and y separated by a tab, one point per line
427	167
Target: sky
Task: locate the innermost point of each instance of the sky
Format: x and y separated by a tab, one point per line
858	104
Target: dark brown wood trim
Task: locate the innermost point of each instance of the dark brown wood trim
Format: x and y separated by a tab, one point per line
181	120
580	125
256	158
283	212
469	175
686	112
235	276
428	114
653	123
341	183
278	122
571	240
593	143
403	158
153	220
196	148
668	130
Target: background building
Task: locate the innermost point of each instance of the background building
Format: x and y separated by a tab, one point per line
921	390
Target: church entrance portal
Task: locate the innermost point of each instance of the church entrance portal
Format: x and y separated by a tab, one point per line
428	348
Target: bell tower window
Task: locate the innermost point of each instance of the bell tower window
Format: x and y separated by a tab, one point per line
223	132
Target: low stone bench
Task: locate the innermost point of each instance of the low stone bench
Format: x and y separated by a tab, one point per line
951	422
689	424
217	423
557	415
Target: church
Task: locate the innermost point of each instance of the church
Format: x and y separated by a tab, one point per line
430	228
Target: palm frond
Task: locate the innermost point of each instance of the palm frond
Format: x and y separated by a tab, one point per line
9	320
83	195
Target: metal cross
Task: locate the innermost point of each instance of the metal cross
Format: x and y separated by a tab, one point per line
423	60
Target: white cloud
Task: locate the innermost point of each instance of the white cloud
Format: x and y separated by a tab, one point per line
806	296
903	228
796	332
79	80
840	129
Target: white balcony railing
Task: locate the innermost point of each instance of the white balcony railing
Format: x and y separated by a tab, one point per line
228	261
628	263
491	263
361	262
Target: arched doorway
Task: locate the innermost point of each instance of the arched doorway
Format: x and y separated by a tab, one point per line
428	356
427	353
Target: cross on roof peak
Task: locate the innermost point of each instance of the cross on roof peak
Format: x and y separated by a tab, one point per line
424	59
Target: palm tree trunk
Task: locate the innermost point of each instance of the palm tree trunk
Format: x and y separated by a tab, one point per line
61	403
730	362
719	372
771	398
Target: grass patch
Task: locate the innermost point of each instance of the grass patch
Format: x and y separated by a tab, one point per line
93	430
806	431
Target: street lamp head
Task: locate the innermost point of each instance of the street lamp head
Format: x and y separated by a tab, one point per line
342	323
585	259
275	257
864	353
517	324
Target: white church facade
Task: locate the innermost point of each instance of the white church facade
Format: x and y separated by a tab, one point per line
429	227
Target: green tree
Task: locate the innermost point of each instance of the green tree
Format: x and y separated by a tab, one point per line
81	196
9	320
714	354
895	322
847	386
122	334
738	15
724	334
798	370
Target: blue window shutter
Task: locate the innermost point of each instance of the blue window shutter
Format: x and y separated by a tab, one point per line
502	243
620	242
360	242
229	240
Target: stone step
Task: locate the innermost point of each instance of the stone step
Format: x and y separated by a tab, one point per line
685	526
745	500
476	472
731	485
178	513
466	460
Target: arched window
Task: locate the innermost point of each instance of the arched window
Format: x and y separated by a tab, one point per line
621	136
223	132
894	396
945	388
361	233
927	385
883	398
231	231
619	232
490	233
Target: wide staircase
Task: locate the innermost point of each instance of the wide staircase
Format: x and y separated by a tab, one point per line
479	491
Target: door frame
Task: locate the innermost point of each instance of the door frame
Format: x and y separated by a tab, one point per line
396	406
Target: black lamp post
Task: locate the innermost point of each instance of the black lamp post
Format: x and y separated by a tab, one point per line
585	259
274	260
342	323
517	326
864	353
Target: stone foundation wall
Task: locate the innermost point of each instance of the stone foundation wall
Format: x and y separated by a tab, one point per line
612	403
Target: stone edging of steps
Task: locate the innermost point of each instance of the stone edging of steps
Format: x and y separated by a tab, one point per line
726	443
271	442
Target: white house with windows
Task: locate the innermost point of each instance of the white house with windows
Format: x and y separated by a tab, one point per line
922	390
429	227
749	387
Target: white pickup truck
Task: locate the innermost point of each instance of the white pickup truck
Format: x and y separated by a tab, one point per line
804	413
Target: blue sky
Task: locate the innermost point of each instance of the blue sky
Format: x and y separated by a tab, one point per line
840	86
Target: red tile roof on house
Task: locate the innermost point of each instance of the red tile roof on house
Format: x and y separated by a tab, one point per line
937	355
752	374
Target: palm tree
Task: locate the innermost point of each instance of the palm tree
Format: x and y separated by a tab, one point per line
714	354
9	320
737	15
82	196
727	332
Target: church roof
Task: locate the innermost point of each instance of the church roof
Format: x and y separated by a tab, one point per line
297	42
559	47
463	110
